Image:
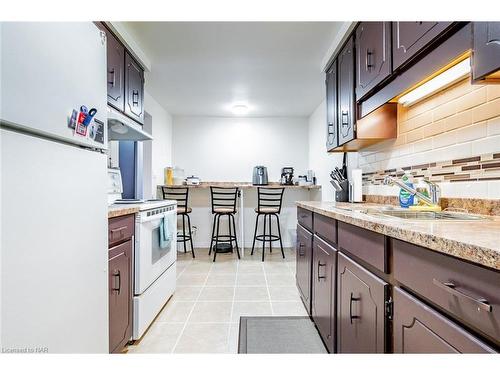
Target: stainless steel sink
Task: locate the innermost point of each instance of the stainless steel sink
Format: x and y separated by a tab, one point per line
423	215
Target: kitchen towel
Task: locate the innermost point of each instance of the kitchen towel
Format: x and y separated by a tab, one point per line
165	233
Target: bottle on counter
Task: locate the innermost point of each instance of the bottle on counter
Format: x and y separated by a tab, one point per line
423	189
169	176
406	199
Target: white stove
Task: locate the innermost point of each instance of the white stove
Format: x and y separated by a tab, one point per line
154	266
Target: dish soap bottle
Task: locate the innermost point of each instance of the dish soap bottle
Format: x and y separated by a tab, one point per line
406	199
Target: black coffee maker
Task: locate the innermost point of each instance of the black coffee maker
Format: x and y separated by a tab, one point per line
287	176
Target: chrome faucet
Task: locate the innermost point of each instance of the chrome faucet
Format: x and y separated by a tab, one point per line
434	190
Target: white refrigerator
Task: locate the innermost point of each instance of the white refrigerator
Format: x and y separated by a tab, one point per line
54	262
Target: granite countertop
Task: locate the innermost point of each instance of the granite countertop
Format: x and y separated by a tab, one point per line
243	185
477	242
116	210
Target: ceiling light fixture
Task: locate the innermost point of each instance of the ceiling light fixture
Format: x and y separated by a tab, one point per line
442	80
239	109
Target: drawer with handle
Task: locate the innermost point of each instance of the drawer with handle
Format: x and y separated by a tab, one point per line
362	243
326	228
468	292
305	218
120	229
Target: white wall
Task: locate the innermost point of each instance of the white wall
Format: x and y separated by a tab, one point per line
319	160
227	149
162	139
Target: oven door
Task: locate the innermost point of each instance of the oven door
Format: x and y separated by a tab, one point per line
150	259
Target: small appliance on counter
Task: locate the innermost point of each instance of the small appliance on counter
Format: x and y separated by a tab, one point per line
260	175
302	181
311	177
287	176
192	181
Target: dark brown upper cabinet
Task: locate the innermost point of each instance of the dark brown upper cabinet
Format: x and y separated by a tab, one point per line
323	289
331	108
373	55
346	100
115	72
361	301
409	38
303	266
486	51
420	329
134	89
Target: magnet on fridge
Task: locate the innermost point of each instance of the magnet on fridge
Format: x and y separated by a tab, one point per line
89	116
99	131
73	119
81	129
91	130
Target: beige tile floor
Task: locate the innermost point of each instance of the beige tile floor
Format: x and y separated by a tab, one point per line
203	314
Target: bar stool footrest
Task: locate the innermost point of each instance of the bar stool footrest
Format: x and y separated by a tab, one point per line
268	237
183	237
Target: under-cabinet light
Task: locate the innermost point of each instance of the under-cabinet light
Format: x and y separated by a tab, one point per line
442	80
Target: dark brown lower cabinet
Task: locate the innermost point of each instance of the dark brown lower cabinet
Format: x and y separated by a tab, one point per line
361	300
420	329
303	266
120	292
323	290
120	278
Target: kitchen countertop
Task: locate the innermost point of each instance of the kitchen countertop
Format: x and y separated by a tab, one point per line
477	242
116	210
243	185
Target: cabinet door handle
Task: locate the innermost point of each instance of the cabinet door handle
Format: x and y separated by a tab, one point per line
113	80
135	94
301	254
450	287
345	118
117	276
120	230
369	65
321	265
352	299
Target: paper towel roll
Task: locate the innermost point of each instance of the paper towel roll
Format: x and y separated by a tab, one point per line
357	185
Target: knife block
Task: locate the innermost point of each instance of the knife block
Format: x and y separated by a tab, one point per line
343	195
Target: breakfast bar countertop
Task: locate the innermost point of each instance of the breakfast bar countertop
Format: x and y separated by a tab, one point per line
243	185
477	242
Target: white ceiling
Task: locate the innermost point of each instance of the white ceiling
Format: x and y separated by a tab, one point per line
203	68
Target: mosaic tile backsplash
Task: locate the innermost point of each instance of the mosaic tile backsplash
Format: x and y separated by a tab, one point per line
452	138
477	168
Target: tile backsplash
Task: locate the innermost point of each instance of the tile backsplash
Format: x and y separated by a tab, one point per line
452	137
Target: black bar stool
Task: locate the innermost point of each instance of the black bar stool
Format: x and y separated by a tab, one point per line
223	204
269	202
181	194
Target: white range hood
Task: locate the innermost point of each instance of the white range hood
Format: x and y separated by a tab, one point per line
121	128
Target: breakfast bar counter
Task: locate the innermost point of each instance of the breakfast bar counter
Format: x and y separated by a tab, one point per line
241	185
201	215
